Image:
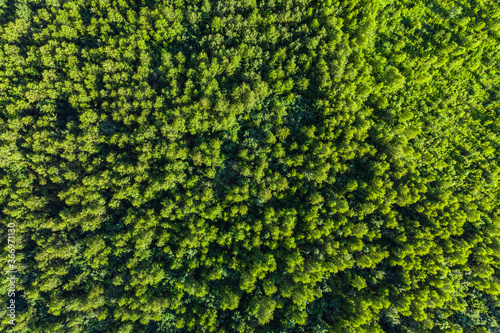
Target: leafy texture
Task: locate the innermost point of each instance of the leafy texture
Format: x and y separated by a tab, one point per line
252	166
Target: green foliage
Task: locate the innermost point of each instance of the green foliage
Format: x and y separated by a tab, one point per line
243	166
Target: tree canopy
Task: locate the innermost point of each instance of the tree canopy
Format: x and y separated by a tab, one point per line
252	166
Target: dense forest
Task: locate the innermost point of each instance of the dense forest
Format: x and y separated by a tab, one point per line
251	166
